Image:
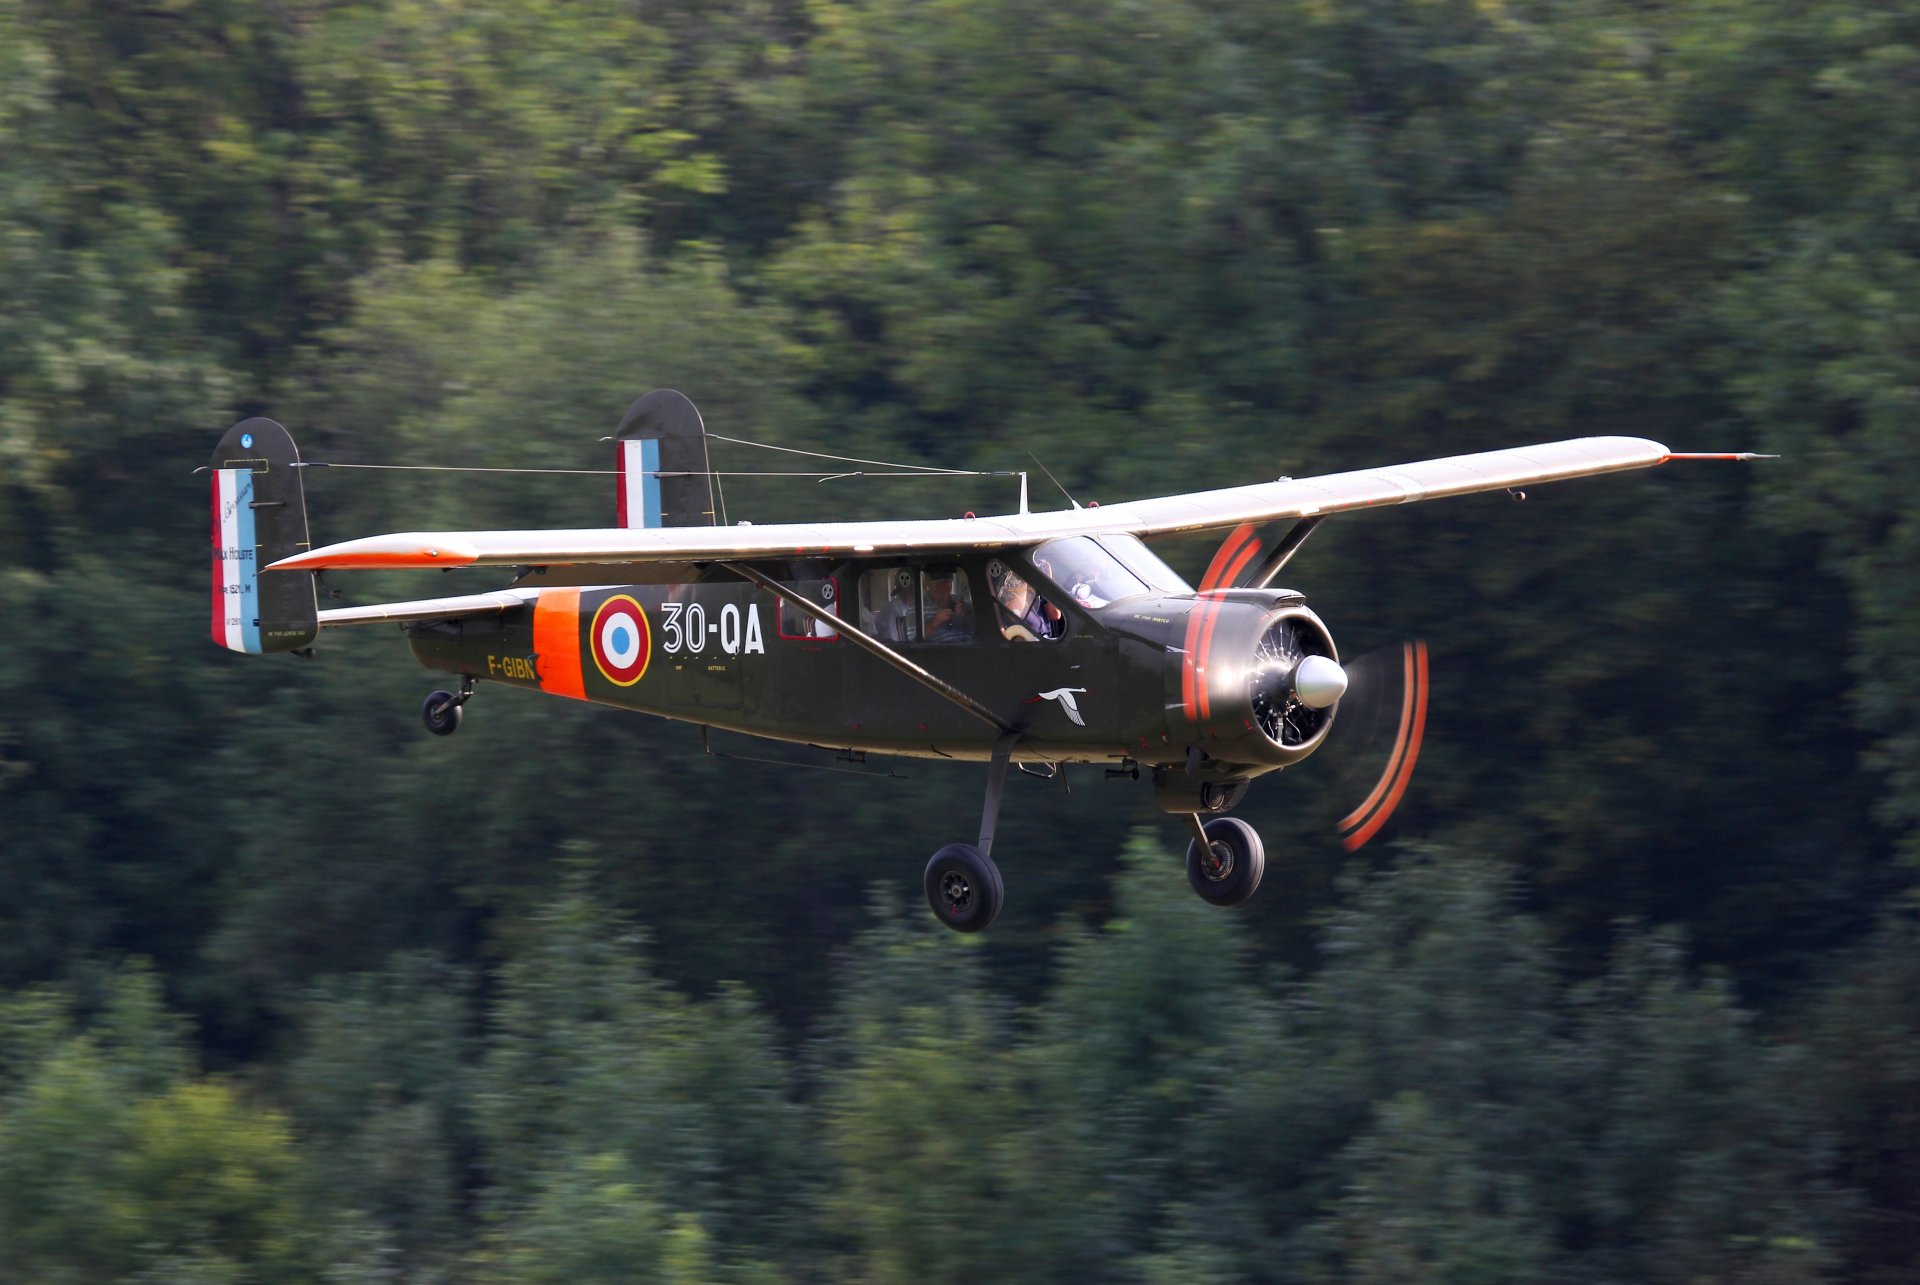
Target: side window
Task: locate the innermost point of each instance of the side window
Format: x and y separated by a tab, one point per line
887	608
946	605
1023	614
795	623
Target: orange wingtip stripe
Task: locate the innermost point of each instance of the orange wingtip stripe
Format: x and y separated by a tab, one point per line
1414	733
372	559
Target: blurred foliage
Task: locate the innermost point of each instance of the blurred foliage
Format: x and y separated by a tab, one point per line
291	992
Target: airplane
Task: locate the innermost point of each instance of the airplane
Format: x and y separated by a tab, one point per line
1036	639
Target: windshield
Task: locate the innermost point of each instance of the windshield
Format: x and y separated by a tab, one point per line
1145	563
1086	572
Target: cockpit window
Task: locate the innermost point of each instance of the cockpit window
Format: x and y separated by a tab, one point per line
1024	614
1145	564
1085	572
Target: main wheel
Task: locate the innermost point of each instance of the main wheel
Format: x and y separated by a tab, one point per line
441	713
1228	872
964	888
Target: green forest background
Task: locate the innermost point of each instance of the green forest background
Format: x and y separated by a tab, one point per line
291	991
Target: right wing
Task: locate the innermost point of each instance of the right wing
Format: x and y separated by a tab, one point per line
1197	511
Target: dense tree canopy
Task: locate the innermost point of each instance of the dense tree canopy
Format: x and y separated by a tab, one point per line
289	991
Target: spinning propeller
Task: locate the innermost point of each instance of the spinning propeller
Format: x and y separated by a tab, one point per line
1381	697
1383	717
1381	700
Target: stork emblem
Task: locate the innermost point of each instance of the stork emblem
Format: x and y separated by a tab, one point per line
1065	696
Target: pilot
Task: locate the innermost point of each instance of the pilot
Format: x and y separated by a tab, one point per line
1087	591
1025	614
947	618
1081	583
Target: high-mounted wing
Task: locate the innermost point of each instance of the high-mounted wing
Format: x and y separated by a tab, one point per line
1199	511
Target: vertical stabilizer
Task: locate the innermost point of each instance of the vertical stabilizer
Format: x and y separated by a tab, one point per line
664	476
259	516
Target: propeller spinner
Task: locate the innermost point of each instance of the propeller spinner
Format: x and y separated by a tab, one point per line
1295	681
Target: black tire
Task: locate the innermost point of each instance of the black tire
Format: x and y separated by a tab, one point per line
441	713
964	888
1228	874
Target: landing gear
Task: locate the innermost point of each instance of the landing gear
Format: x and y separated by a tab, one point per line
1225	860
962	883
441	710
964	888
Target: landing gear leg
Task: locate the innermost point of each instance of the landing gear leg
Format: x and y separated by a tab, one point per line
441	710
962	884
1225	860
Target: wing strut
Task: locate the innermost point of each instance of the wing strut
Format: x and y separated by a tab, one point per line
1284	551
868	642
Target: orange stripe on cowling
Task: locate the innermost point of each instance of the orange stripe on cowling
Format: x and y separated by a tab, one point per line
1210	617
1188	699
1406	752
556	642
1235	552
1231	558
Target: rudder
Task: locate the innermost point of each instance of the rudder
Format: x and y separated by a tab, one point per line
665	479
259	517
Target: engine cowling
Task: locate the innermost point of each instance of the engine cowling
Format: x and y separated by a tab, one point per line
1256	681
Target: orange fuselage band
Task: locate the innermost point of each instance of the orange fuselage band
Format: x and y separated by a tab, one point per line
556	642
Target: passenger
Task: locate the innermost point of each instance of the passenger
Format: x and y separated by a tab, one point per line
948	620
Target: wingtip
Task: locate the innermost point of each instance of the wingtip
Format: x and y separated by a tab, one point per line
383	552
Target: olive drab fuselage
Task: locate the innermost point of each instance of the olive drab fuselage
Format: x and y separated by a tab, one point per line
1149	678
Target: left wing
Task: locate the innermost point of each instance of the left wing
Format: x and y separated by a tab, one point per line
1198	511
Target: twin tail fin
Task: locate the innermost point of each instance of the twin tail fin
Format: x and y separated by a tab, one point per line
259	517
665	479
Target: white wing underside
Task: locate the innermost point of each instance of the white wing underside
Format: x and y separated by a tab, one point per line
1199	511
472	604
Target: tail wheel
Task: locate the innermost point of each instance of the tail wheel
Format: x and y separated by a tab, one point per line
441	713
1229	869
964	888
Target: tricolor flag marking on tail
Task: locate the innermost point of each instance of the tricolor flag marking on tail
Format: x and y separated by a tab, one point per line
639	504
236	574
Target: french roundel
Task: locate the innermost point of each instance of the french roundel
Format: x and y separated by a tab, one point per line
622	640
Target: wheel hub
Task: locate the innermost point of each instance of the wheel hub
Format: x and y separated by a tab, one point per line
1216	863
956	890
